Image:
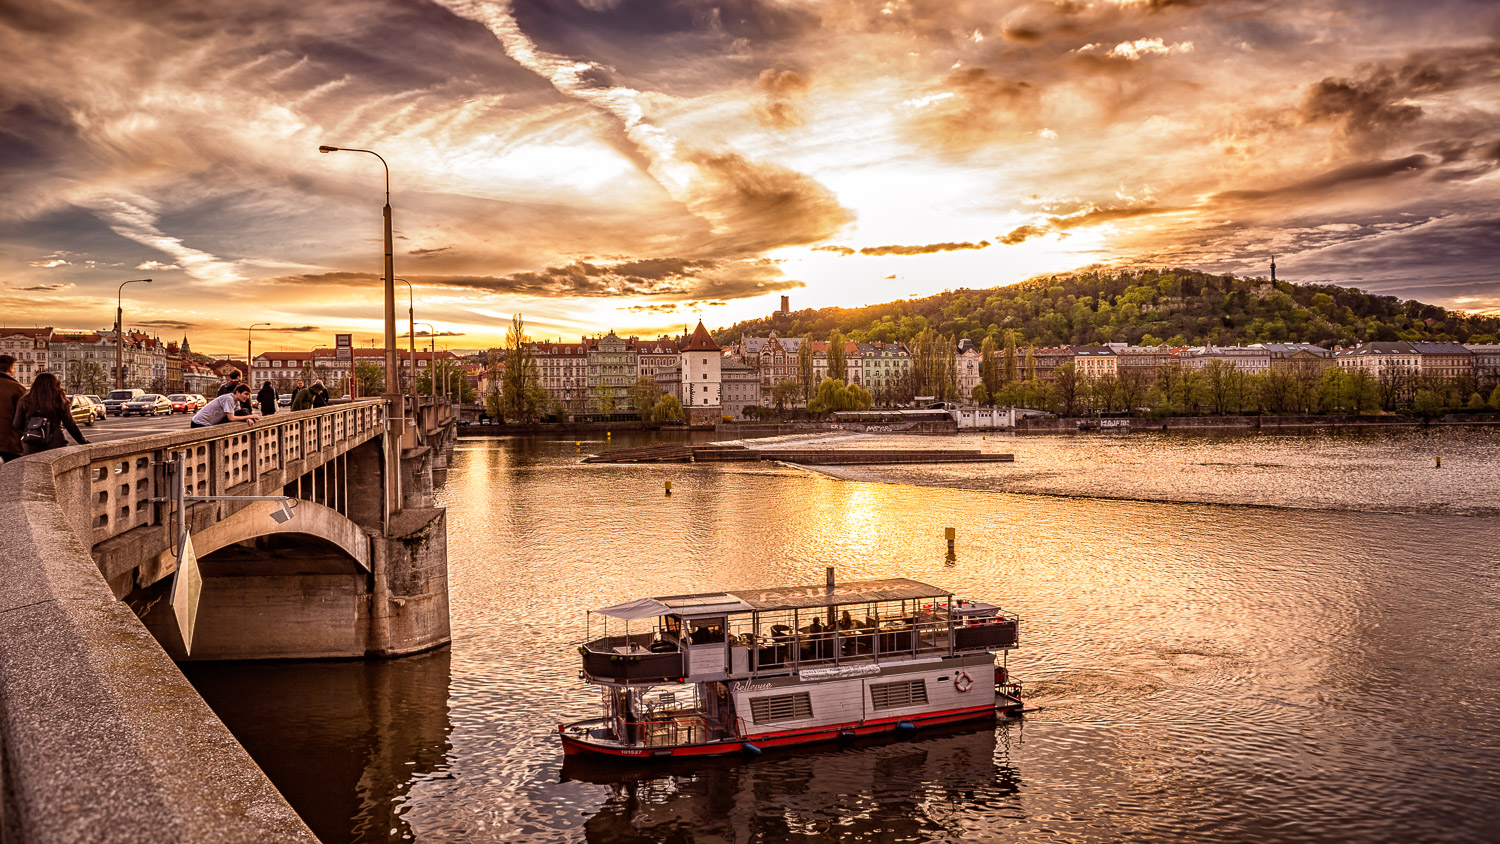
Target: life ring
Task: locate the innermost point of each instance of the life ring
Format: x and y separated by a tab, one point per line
963	682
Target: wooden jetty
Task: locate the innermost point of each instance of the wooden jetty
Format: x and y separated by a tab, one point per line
716	453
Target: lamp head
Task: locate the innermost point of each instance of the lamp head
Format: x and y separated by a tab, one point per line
283	514
328	149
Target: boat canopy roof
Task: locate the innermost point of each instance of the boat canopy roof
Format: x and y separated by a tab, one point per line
795	597
637	609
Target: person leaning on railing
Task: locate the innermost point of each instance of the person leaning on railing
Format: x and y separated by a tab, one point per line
226	408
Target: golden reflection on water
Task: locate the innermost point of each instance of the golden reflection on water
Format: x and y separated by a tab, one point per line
1200	672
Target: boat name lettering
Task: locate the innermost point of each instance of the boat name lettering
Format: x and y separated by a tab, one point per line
747	686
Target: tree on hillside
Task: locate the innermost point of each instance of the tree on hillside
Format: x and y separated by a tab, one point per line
837	364
1030	363
521	395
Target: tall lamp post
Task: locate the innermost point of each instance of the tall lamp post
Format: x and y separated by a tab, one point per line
392	376
250	361
431	358
411	330
120	331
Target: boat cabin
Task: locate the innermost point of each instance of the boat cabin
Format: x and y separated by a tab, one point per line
753	633
752	668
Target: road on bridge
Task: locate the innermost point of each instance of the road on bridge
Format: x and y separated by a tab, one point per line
123	427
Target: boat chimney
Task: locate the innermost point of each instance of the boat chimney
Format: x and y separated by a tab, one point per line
830	580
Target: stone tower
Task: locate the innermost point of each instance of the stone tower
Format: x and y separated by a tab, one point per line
702	382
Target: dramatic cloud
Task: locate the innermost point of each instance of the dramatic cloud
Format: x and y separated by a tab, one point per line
922	249
783	93
621	164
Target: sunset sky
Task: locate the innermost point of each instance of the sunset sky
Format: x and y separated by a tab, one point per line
633	165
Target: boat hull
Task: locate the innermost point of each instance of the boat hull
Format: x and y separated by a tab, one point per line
574	745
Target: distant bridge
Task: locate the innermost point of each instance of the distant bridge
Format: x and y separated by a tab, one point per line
101	738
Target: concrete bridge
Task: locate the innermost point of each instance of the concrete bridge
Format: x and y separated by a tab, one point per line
306	535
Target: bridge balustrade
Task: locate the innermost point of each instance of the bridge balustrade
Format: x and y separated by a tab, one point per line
218	459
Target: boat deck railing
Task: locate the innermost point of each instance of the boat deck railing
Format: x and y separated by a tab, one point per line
630	658
901	638
780	649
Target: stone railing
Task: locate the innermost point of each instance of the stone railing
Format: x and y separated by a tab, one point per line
101	737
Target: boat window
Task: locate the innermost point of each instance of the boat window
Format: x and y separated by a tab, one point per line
673	625
706	631
770	709
894	695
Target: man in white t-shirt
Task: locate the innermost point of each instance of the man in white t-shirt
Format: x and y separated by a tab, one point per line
225	408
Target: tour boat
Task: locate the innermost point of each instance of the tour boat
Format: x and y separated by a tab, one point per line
751	669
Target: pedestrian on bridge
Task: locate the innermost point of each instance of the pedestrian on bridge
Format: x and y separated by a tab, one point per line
42	416
230	407
11	392
319	394
302	397
267	399
230	383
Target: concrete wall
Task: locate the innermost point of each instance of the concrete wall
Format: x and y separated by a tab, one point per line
101	737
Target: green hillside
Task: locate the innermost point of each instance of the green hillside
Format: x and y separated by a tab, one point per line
1178	307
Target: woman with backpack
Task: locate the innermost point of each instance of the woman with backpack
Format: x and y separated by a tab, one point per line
43	414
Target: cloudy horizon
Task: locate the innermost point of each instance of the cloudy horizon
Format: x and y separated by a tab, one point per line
608	164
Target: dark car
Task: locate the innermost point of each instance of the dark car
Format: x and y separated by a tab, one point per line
114	403
150	404
83	411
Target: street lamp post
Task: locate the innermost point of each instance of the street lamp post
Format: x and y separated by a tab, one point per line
431	358
392	377
250	361
411	330
120	331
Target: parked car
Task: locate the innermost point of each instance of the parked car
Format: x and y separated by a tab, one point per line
99	410
114	403
184	402
147	404
83	411
198	397
284	400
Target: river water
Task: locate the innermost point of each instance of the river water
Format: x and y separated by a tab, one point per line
1285	637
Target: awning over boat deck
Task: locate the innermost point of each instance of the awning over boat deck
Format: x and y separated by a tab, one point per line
637	609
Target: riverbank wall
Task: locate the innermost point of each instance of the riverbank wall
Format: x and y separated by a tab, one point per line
1246	423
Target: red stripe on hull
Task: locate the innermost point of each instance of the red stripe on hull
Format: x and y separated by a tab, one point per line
573	746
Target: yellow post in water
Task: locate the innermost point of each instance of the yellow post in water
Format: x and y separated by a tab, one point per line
952	534
1437	462
669	487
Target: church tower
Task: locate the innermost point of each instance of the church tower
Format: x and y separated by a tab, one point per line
1273	269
